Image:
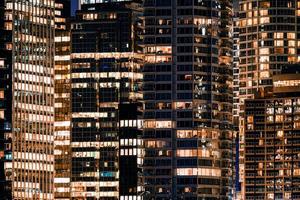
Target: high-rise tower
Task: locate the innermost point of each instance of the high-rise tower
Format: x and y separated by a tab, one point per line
236	105
5	101
272	134
62	96
27	98
32	97
105	92
268	40
187	90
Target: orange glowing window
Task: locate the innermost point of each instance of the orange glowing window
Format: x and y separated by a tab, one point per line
264	4
2	94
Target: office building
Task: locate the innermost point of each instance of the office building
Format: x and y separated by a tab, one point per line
62	101
27	99
236	104
5	102
187	88
27	48
236	60
272	132
268	40
106	61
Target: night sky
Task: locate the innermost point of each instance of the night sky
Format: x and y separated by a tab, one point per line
74	6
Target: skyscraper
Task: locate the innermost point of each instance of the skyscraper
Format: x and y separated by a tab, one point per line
236	105
268	40
62	104
27	97
105	89
272	130
187	91
5	101
30	89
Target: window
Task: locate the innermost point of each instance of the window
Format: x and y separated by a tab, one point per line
1	114
198	172
2	94
1	63
264	51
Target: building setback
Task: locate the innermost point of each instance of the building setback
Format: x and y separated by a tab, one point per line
105	93
272	135
187	89
268	39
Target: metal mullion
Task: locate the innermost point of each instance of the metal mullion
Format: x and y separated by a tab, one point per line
32	111
35	122
173	186
37	61
266	150
38	86
42	173
22	97
15	99
26	111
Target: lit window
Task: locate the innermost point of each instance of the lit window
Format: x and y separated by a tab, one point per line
1	63
1	94
1	114
264	66
279	43
265	4
278	35
264	35
279	118
263	12
198	172
291	35
164	124
280	133
292	43
250	119
265	74
292	51
264	51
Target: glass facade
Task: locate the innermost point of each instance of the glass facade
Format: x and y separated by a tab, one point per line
236	105
5	101
187	87
152	99
62	98
33	98
272	132
268	39
272	140
100	1
106	64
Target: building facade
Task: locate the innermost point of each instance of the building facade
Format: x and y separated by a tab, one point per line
62	101
105	88
5	101
32	98
27	96
268	40
272	130
187	88
236	104
236	60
